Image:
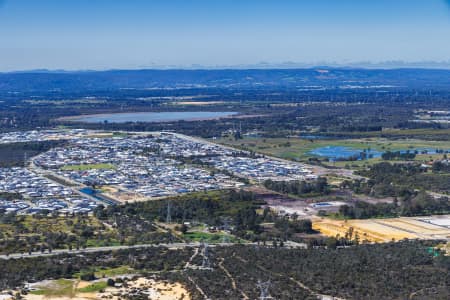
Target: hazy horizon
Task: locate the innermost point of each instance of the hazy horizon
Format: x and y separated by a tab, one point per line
258	66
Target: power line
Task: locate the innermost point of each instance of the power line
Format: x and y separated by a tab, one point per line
206	263
168	216
226	229
264	289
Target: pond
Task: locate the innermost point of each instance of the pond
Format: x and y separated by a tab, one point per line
153	117
335	153
341	152
96	195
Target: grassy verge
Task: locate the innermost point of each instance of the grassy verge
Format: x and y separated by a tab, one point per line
209	237
58	288
95	287
111	272
88	167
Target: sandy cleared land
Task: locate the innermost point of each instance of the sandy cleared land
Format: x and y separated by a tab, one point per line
41	297
154	289
385	230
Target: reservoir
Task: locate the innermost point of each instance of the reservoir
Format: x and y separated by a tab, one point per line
151	116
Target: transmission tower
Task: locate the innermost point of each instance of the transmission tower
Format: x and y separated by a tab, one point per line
264	290
168	216
206	264
226	228
225	239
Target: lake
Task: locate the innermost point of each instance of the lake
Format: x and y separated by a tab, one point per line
152	116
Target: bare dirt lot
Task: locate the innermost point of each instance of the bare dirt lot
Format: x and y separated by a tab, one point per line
84	290
386	230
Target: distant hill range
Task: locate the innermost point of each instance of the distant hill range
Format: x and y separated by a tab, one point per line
311	78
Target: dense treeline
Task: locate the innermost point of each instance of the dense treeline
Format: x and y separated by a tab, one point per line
219	208
15	272
384	271
418	205
47	232
441	167
289	227
380	271
397	155
406	183
13	155
10	196
386	179
231	210
297	187
207	207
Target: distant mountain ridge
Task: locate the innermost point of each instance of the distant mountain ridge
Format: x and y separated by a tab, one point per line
42	80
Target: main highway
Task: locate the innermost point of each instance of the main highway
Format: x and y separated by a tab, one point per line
109	248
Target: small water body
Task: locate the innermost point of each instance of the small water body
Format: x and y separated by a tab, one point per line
341	152
344	153
93	193
426	151
88	191
153	117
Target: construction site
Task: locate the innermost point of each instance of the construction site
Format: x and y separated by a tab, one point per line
386	230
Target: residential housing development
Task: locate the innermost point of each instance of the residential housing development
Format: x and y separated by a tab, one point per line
96	167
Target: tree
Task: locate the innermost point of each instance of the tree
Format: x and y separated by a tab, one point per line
89	276
331	243
110	282
184	229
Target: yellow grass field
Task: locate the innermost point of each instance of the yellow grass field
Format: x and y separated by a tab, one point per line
385	230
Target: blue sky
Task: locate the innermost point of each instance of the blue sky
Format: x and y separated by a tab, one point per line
104	34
